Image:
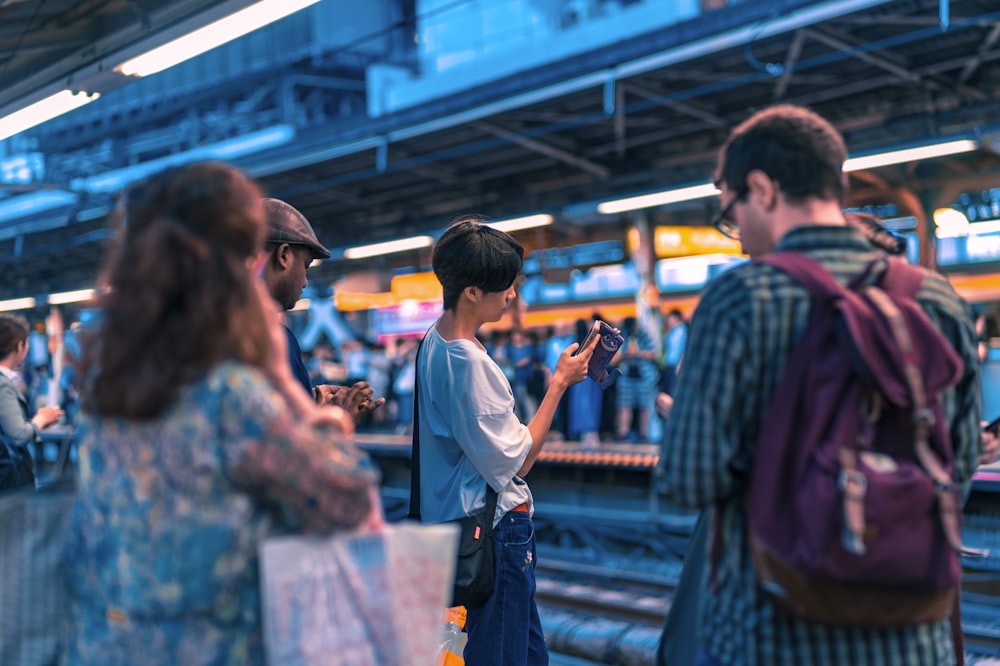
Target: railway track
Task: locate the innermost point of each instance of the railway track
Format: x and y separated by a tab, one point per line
615	616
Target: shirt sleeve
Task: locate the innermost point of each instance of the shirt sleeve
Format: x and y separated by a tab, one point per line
702	435
313	472
12	421
485	425
962	404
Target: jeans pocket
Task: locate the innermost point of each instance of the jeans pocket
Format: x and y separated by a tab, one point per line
516	530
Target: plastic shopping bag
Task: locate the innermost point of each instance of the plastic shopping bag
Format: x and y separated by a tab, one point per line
362	599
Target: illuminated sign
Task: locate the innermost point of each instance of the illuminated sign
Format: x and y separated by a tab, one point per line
583	254
406	318
983	205
959	250
22	169
692	273
680	241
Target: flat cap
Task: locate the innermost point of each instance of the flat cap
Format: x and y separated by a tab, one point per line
285	224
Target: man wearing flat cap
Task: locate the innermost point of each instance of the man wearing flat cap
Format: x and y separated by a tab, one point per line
291	246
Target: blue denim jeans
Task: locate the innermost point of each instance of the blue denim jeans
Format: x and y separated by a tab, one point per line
506	630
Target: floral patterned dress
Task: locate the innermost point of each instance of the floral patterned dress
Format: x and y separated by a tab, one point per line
169	513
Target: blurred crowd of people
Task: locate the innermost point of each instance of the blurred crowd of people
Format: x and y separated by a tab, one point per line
590	415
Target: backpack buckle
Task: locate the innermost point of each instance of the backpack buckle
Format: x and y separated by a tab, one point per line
924	415
852	482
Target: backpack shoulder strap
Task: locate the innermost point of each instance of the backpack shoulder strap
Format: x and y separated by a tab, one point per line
902	279
414	512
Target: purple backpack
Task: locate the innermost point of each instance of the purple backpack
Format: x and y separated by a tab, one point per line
852	508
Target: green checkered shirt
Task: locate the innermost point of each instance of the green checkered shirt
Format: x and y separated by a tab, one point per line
746	325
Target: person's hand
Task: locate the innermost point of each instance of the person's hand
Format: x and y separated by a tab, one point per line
358	400
664	403
331	415
991	447
46	416
572	369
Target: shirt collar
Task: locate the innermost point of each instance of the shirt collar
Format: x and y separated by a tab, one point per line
824	236
8	373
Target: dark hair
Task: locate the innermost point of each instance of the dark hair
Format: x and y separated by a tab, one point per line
471	254
180	296
13	331
794	146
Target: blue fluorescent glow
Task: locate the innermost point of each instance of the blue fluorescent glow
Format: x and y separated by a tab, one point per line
36	202
118	179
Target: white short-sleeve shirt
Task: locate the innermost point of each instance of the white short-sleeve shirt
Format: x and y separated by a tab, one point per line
468	432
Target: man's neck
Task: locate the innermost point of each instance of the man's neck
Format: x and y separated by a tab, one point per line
457	324
811	212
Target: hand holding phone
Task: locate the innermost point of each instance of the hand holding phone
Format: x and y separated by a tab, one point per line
610	341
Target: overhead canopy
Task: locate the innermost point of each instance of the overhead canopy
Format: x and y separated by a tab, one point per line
643	114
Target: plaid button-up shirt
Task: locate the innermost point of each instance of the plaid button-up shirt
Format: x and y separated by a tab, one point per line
746	325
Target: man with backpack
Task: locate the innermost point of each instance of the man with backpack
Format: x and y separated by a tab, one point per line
829	413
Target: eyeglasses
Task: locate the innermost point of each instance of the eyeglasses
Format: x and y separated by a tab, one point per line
724	222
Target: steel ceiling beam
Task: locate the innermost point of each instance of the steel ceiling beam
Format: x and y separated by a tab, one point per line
984	48
686	108
788	68
845	43
537	146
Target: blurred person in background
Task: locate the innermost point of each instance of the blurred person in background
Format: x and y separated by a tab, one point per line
673	349
522	357
18	428
291	247
584	403
197	442
560	337
636	388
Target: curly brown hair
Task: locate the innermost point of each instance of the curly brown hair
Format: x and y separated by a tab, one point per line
180	297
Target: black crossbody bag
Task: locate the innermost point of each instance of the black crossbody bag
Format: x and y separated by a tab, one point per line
474	568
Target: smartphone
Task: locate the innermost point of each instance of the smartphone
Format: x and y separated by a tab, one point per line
608	345
993	426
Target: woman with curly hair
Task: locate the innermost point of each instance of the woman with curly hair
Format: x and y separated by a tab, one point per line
197	443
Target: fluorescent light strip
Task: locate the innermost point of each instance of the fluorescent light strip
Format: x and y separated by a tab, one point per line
63	297
17	304
228	149
212	35
42	111
658	199
909	155
401	245
851	164
519	223
35	202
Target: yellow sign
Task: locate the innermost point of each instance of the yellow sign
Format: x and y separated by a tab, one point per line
686	241
417	286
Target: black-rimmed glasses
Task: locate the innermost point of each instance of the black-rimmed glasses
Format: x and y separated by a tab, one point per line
724	222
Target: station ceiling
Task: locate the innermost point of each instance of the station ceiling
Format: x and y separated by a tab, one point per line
638	116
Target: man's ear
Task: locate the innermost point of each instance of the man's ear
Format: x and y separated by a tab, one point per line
471	293
282	257
762	188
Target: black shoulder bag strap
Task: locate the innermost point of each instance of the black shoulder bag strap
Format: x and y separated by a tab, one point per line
414	514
